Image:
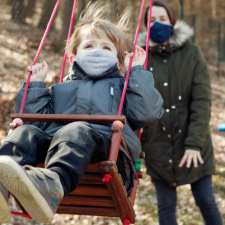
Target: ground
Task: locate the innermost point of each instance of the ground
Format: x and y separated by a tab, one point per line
17	47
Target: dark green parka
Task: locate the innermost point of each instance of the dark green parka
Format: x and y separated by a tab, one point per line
182	78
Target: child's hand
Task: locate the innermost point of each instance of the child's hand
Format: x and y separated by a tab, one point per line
39	71
16	123
139	58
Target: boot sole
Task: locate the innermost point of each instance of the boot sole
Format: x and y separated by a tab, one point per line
15	180
5	214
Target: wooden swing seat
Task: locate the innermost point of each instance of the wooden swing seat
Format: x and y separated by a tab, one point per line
101	191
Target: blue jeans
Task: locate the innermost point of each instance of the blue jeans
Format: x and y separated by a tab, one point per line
202	191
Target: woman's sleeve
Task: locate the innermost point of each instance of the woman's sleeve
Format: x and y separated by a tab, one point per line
200	105
144	103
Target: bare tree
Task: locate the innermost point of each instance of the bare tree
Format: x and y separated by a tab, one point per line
46	12
30	8
18	11
181	9
65	19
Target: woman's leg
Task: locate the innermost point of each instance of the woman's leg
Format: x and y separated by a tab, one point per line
205	200
167	200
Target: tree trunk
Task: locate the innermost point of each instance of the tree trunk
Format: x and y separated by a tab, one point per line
30	8
182	9
219	53
46	12
18	11
65	18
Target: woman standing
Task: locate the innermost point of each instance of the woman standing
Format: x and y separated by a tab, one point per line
179	148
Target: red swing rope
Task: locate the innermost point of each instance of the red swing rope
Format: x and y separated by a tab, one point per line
25	91
21	214
72	23
108	177
50	23
148	34
138	29
35	60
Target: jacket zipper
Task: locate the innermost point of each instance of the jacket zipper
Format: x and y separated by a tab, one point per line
89	96
112	93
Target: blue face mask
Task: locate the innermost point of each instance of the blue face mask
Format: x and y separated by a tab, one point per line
160	32
96	61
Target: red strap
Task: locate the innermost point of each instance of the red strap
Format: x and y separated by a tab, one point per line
35	60
72	23
138	29
21	214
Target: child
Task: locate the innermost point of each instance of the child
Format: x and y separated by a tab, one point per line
94	86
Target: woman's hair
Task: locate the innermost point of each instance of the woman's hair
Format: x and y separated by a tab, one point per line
93	20
166	6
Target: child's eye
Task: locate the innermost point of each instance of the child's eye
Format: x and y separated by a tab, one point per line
88	46
163	18
152	19
107	48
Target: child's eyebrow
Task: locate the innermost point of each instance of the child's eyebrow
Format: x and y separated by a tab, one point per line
107	43
89	41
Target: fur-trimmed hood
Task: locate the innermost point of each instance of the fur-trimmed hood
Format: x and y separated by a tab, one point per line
182	33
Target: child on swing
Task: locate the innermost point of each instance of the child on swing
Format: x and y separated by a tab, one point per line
94	86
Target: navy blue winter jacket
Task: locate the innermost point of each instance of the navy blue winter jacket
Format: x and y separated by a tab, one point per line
83	94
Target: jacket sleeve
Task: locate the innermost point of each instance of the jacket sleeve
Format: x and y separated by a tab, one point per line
200	105
144	103
38	100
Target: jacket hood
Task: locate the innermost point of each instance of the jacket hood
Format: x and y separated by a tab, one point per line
182	33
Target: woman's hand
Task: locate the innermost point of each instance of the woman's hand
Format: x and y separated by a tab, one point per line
39	71
139	58
191	156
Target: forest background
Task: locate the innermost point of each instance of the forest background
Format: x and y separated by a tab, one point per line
21	25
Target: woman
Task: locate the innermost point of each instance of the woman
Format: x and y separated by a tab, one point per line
178	148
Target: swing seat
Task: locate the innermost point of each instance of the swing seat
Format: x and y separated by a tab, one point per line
101	191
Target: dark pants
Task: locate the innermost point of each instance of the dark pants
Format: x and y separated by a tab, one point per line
68	152
203	193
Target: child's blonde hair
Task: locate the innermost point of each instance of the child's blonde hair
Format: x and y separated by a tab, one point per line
93	19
